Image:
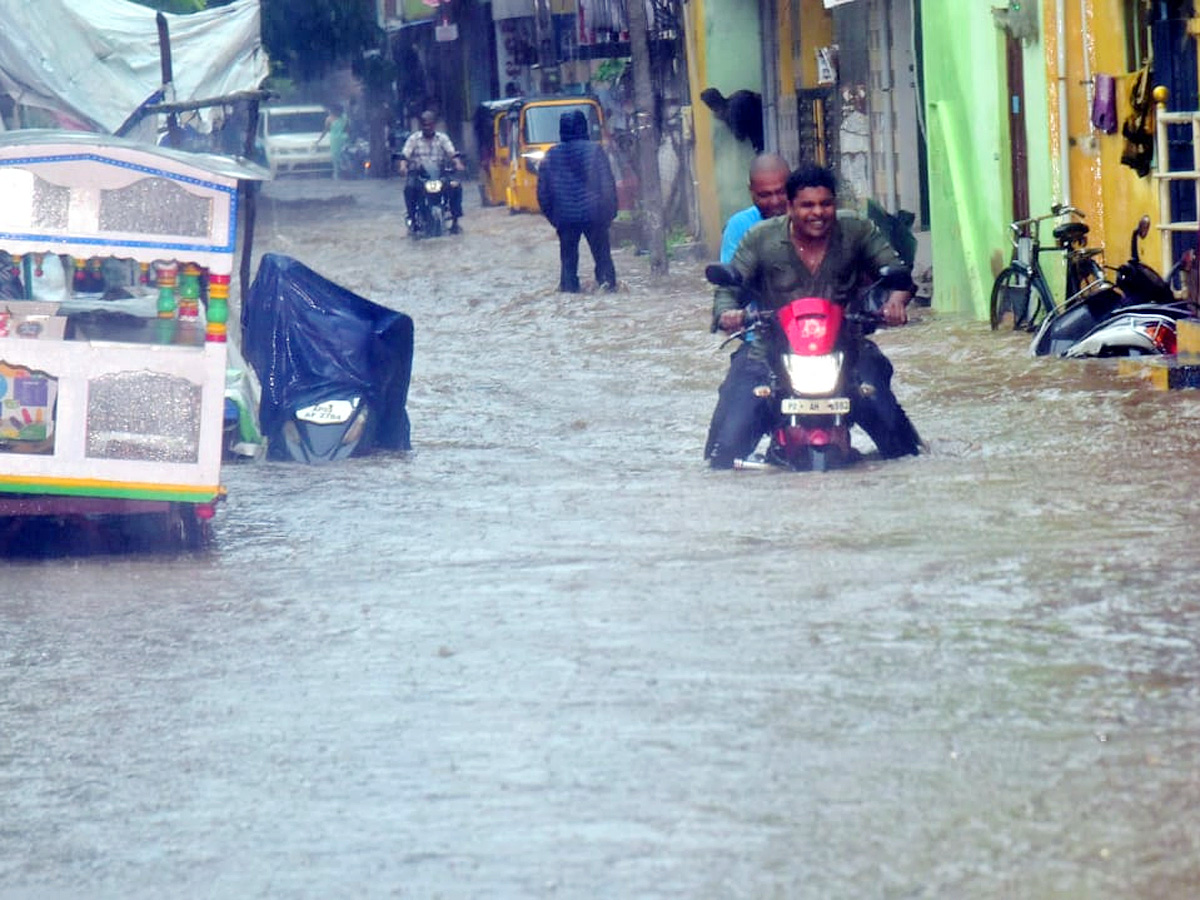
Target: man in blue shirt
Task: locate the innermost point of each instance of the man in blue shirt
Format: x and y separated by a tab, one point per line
768	175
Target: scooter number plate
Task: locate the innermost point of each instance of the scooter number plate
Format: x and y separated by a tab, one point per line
798	406
331	412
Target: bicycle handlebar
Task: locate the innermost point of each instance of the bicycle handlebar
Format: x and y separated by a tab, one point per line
1056	211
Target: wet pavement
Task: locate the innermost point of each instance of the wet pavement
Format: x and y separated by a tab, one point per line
549	654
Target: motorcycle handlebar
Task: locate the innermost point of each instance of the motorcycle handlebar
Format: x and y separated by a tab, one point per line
755	320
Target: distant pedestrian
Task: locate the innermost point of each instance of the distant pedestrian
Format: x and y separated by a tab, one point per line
578	195
337	126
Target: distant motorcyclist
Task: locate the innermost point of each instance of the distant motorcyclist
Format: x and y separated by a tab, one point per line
430	150
812	251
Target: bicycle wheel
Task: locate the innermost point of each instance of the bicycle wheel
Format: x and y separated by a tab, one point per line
1017	295
1041	304
1010	296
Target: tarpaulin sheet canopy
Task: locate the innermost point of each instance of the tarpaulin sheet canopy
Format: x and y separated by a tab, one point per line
97	61
311	340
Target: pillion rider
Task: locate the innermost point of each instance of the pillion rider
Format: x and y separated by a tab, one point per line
768	193
430	150
813	250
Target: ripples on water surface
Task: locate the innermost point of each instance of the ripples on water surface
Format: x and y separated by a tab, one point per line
549	654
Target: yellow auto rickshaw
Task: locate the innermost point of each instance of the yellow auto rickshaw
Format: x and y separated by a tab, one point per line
493	133
521	134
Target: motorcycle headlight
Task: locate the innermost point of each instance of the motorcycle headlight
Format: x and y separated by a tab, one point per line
433	185
813	374
533	159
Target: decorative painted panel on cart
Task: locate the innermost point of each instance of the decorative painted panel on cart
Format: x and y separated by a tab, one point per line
27	399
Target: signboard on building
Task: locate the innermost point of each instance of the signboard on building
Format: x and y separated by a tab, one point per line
827	71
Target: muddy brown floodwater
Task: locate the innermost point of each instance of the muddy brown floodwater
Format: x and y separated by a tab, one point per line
549	654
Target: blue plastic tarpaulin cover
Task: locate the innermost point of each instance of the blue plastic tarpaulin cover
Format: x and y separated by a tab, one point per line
310	340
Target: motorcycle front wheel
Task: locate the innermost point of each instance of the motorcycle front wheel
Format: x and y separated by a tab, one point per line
434	222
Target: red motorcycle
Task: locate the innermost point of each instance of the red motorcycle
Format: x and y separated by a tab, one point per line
812	346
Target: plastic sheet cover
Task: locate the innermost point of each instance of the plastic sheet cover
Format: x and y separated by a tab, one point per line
309	340
94	63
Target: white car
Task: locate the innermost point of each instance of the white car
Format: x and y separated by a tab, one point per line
287	137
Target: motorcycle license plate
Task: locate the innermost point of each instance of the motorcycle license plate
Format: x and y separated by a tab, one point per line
331	412
801	406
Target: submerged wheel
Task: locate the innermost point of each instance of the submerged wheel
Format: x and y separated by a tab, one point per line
1010	296
185	530
1017	295
818	459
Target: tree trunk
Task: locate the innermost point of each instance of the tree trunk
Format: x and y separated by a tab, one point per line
645	129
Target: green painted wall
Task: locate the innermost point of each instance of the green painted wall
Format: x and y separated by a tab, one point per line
970	180
733	61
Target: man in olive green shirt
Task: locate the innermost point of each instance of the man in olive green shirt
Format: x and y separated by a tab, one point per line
812	251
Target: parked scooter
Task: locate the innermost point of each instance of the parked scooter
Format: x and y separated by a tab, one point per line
334	367
328	430
431	217
1133	315
813	345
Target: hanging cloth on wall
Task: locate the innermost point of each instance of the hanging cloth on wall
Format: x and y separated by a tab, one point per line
1104	104
1138	128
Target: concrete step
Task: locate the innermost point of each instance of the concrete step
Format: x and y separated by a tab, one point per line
1163	373
1187	339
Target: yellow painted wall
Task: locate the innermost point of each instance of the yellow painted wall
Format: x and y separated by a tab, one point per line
799	70
1111	194
816	30
703	156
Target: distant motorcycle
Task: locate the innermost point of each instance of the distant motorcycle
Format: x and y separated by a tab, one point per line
431	217
1133	315
356	158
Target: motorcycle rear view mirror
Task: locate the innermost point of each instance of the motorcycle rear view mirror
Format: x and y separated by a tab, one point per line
723	275
1143	228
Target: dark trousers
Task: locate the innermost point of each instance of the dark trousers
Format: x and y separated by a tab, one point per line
414	191
568	255
741	419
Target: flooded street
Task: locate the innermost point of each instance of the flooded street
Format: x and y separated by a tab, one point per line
550	654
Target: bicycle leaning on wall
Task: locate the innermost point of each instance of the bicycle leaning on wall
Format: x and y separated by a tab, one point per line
1021	290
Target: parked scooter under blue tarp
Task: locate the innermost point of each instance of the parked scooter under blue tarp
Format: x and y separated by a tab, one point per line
334	366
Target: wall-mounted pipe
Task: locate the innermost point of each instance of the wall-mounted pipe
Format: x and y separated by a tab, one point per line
1064	131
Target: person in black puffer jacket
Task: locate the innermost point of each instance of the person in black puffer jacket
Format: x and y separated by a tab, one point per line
578	196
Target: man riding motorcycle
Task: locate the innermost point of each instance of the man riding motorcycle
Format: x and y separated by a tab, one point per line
812	251
430	150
